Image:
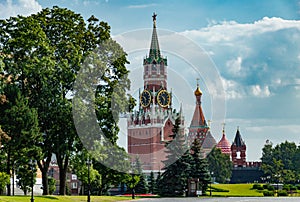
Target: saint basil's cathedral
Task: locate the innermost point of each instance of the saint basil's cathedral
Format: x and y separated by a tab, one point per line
150	126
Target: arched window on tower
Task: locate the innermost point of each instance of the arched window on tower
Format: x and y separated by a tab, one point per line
238	155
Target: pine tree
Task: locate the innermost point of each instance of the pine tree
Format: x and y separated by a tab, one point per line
199	166
152	183
173	181
141	186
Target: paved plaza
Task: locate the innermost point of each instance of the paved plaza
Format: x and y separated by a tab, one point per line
228	199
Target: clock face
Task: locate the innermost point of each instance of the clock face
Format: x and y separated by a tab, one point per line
163	98
145	98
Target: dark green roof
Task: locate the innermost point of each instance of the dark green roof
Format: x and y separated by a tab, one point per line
154	53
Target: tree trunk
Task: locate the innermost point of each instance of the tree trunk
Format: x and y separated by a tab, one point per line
63	166
44	169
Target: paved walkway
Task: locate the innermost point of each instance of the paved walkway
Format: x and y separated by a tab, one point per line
228	199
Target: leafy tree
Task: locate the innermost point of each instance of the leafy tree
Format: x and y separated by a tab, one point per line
280	162
43	54
52	185
173	181
219	164
4	180
26	174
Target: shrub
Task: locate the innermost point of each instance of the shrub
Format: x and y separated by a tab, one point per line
293	188
268	193
51	184
256	186
266	186
298	186
282	193
286	187
271	188
260	188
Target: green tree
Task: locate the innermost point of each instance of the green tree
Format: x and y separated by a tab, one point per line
152	183
199	166
52	185
142	186
280	162
21	123
28	64
4	180
43	53
219	164
26	174
173	181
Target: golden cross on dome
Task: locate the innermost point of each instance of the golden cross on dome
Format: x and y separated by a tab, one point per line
197	81
223	124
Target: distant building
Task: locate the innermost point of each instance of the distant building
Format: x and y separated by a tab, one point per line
242	171
73	183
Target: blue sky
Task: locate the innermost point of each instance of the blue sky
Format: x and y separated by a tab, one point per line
254	46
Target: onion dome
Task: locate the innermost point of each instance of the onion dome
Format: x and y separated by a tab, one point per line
224	144
198	92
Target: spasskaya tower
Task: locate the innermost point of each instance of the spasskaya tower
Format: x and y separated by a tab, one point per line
150	126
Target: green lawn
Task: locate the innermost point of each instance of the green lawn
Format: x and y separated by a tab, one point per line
236	190
62	198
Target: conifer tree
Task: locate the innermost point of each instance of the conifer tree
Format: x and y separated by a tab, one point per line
152	183
173	181
141	186
199	166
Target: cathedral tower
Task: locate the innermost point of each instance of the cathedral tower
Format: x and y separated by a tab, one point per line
198	128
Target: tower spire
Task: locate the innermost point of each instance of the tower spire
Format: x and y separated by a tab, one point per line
198	117
154	53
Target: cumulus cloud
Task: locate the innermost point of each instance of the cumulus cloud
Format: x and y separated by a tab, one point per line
255	59
232	30
235	65
260	91
20	7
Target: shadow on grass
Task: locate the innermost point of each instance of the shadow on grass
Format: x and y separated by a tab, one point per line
49	197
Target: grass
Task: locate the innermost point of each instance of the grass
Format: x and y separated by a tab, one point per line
62	198
236	190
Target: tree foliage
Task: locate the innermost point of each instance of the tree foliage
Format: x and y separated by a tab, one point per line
142	186
281	162
4	180
41	56
173	181
199	166
219	164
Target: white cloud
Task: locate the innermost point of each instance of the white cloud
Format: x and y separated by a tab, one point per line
21	7
234	65
258	91
231	30
232	89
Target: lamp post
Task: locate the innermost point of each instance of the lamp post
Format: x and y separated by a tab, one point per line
132	184
211	179
89	162
277	176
